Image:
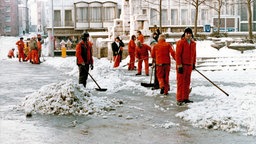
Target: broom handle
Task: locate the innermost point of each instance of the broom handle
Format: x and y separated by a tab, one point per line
212	82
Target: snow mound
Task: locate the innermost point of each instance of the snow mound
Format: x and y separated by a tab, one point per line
231	114
66	98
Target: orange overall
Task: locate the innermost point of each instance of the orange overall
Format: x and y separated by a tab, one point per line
161	53
131	50
185	57
20	45
142	55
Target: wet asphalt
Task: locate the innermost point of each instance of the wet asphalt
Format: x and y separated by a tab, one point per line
137	121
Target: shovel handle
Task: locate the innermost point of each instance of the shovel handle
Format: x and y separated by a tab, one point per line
94	80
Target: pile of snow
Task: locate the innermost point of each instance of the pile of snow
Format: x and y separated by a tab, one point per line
66	98
231	114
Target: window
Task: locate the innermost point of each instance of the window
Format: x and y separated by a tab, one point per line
7	19
164	17
184	15
144	11
68	18
7	29
7	0
109	13
174	17
57	18
82	14
8	9
243	13
95	14
204	14
153	17
193	14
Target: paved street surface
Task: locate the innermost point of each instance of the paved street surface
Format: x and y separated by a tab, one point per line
138	121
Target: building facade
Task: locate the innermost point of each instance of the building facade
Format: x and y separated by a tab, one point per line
67	20
9	18
23	16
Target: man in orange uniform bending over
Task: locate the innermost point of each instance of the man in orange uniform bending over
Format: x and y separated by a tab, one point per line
142	53
185	63
161	53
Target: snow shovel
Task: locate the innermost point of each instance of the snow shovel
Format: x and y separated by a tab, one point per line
149	84
99	88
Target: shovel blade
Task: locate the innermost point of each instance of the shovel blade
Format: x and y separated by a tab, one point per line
147	84
101	89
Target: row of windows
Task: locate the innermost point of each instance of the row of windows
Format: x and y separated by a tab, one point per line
174	17
85	14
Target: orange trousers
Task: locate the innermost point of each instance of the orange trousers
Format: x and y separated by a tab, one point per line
29	56
21	55
145	59
183	83
35	57
163	72
116	60
132	61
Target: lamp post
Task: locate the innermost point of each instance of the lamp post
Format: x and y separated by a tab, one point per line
52	37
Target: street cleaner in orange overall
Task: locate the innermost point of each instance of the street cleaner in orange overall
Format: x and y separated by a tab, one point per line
142	54
161	53
185	63
21	45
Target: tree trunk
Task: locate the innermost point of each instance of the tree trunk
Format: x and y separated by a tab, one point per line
160	15
219	9
195	29
249	19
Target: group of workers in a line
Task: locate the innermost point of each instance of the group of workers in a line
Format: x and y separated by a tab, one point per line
161	53
29	50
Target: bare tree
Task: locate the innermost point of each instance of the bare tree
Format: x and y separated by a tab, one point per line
196	4
160	11
249	10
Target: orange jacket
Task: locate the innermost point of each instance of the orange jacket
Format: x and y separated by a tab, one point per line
143	51
131	46
84	52
161	52
141	38
20	45
11	53
185	52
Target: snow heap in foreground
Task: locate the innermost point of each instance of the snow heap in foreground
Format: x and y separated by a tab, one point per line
231	114
66	98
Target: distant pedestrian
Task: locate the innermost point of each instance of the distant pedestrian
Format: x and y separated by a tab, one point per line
161	53
142	54
156	34
131	51
11	53
140	37
20	45
84	58
117	49
185	63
